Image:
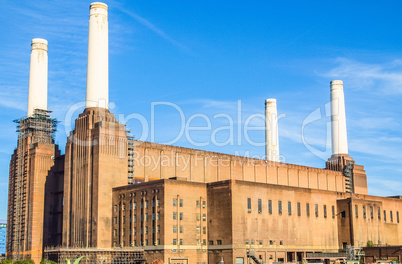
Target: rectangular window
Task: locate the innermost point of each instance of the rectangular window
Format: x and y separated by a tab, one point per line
271	242
115	208
181	216
146	230
135	205
204	204
146	217
198	217
325	211
135	218
174	229
153	203
158	202
204	217
371	212
115	220
316	210
159	229
259	206
211	242
298	209
198	230
174	241
356	210
181	202
280	207
269	206
249	205
181	229
204	230
158	216
219	242
364	211
131	206
397	217
333	211
379	213
289	208
135	230
174	202
153	216
181	241
146	204
308	209
385	216
174	216
390	217
197	204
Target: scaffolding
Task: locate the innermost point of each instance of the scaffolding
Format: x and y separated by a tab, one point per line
96	255
130	145
39	128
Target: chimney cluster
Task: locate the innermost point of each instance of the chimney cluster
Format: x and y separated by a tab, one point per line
97	93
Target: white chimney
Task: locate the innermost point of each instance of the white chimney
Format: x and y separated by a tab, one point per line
338	119
98	58
37	95
271	131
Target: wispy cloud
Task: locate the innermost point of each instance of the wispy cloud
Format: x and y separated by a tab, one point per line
154	28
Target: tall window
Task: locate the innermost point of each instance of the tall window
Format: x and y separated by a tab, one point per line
397	217
385	216
249	205
289	208
371	212
333	211
181	202
174	216
390	217
280	207
316	210
325	211
174	202
379	213
174	229
308	209
269	206
364	211
181	216
356	210
259	206
298	209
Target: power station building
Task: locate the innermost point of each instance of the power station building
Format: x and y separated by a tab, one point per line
104	200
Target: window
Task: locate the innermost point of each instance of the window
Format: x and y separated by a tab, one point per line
153	216
181	241
115	232
271	242
364	211
260	242
158	216
356	210
115	208
379	213
204	230
158	241
129	219
281	242
249	205
158	229
153	203
174	229
204	217
181	229
142	218
211	242
181	216
259	206
316	210
397	217
131	206
371	212
174	202
269	206
247	242
198	217
219	242
158	202
333	211
308	209
280	207
115	220
181	202
174	241
204	204
135	230
146	217
390	217
252	242
385	216
142	204
298	209
135	205
204	242
135	218
123	207
124	219
325	211
198	230
124	232
146	230
174	216
289	208
146	242
197	203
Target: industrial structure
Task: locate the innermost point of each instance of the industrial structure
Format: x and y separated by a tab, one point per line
104	201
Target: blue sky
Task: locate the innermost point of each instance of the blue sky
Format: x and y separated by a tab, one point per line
205	56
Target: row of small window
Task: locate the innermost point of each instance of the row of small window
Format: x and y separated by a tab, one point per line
158	230
260	242
134	243
259	206
197	203
142	193
131	205
142	217
391	218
